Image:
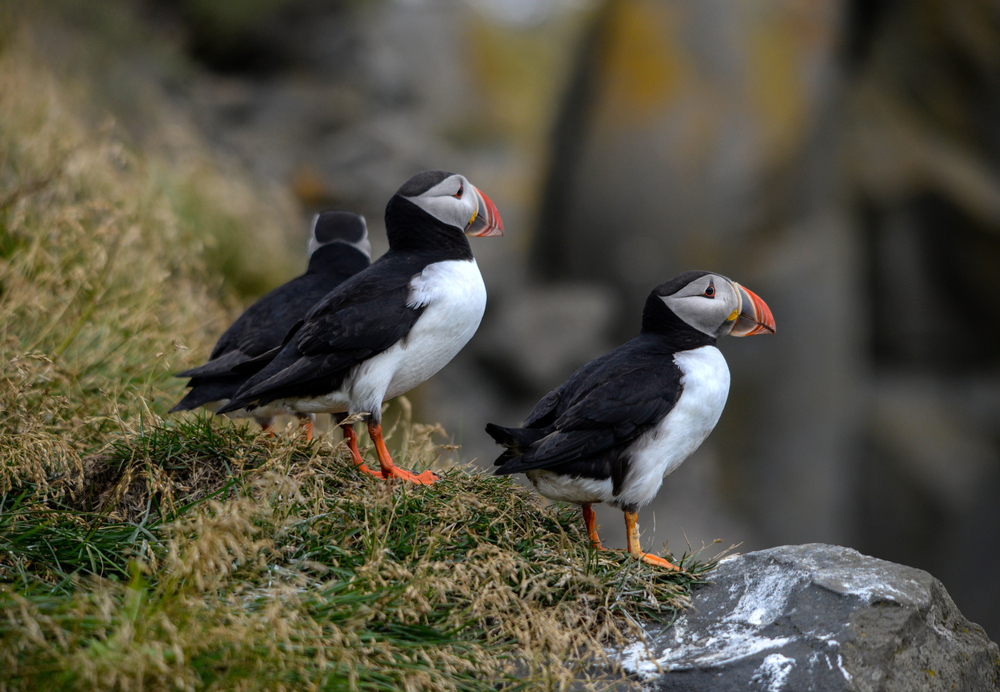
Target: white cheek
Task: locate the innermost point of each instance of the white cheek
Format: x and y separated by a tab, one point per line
452	211
701	313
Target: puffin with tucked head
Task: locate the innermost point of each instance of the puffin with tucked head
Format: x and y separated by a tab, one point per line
392	326
615	429
338	249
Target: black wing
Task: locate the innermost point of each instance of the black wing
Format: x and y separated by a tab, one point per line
219	366
264	324
205	390
364	316
605	405
555	403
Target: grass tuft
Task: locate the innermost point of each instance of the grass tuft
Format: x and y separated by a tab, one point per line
281	560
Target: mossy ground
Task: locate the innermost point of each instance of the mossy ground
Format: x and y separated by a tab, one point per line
139	554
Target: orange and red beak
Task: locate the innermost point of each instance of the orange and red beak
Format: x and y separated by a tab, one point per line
487	221
755	317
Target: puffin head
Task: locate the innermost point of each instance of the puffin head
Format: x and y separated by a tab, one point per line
454	201
340	227
711	304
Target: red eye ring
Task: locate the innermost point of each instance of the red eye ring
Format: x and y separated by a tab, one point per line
461	189
709	292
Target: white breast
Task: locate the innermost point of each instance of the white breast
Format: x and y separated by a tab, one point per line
705	378
453	296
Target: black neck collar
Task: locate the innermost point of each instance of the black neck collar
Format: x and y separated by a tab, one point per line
659	320
411	229
337	257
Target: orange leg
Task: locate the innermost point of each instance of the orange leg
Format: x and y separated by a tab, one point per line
307	424
632	524
389	469
266	423
590	519
352	444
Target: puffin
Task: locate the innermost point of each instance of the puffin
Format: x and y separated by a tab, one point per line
338	249
390	327
621	423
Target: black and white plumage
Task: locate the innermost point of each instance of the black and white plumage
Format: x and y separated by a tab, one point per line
623	422
392	326
338	249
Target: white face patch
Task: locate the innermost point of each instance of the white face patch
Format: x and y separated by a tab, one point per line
452	201
706	304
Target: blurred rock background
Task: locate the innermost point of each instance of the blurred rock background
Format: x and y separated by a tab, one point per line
839	157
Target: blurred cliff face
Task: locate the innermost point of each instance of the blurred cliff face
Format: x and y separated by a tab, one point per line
840	158
837	157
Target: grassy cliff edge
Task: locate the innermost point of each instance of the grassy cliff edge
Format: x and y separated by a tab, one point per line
138	554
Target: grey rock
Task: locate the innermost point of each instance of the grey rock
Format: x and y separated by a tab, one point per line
817	617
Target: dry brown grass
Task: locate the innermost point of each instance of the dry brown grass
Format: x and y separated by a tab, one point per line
301	572
104	269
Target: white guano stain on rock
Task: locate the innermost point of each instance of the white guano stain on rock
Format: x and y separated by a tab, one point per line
773	672
726	643
840	664
764	598
635	659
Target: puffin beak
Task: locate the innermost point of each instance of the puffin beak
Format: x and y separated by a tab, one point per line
487	220
755	317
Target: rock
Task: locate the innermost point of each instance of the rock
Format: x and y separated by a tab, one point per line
816	617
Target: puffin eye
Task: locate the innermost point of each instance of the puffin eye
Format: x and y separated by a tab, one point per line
461	189
709	292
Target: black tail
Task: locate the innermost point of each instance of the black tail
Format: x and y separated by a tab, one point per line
516	440
236	403
219	367
205	390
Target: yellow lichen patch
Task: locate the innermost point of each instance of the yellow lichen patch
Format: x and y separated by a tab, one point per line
642	67
776	84
517	74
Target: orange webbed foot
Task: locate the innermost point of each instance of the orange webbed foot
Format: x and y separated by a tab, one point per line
425	478
656	561
389	469
632	536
